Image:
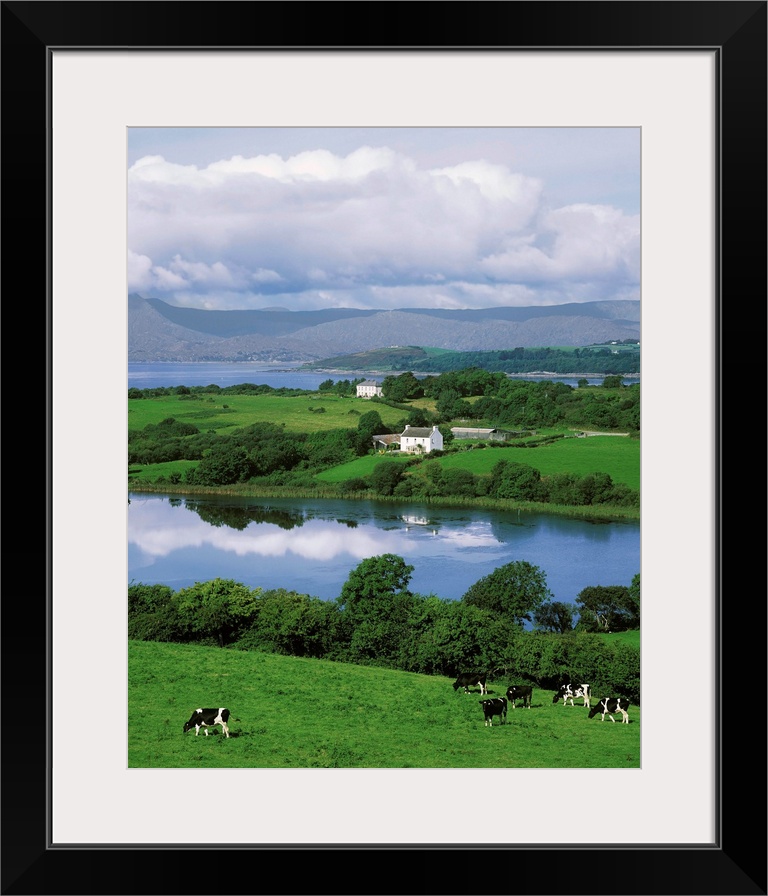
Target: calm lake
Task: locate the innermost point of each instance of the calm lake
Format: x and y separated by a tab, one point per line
311	546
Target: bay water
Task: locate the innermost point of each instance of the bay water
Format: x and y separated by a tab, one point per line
166	374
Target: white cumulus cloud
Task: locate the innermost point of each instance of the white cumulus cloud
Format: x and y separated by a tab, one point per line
371	228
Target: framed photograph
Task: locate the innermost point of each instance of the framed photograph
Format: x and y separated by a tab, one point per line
691	76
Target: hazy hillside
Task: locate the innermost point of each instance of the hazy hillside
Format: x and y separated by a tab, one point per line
161	332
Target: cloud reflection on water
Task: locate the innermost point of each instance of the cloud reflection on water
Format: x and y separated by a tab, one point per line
157	529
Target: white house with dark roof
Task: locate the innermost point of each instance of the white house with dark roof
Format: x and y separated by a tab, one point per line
368	388
421	439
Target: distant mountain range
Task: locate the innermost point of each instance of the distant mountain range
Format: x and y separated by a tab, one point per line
158	331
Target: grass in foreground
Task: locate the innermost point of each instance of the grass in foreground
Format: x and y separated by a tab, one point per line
290	712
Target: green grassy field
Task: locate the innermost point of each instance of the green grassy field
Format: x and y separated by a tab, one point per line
618	457
632	638
221	414
290	712
360	466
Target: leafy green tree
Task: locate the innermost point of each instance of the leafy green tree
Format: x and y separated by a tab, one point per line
447	434
432	471
224	464
416	417
369	424
612	382
633	597
282	453
292	624
561	488
594	488
220	610
402	387
385	476
515	481
376	605
329	448
152	614
459	482
147	598
461	639
374	579
554	616
515	590
419	651
608	608
450	406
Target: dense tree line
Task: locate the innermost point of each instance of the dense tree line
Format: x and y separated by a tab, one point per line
505	621
425	478
213	389
533	360
597	359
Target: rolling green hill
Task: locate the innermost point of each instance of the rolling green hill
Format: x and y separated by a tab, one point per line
291	712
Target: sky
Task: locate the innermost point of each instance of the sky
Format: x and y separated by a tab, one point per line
383	218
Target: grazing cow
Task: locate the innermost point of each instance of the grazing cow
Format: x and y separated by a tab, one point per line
208	718
494	706
465	679
570	691
522	692
610	706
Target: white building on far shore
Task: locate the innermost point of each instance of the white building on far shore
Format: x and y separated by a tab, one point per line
368	388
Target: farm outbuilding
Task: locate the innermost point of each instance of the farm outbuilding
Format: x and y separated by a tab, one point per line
386	442
494	435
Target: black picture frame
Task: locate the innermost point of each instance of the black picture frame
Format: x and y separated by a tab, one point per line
736	863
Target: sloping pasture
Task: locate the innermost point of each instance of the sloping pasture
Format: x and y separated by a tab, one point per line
290	712
360	467
619	458
223	413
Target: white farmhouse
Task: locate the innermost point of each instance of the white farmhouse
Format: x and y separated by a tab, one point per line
421	439
368	388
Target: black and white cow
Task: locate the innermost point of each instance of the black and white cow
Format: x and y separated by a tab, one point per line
610	706
466	679
522	692
494	706
208	718
572	691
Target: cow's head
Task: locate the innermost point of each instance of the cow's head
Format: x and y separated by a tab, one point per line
191	723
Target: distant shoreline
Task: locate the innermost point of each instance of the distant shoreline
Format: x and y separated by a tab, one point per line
536	374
